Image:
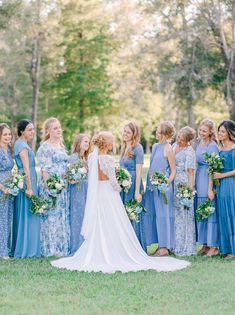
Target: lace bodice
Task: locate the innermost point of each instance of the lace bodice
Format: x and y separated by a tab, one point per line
107	166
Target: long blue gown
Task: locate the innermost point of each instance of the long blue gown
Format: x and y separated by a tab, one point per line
185	235
55	227
207	230
159	219
6	204
129	163
26	225
76	209
226	205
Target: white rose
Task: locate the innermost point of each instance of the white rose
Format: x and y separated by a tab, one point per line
83	170
125	183
58	186
73	171
21	184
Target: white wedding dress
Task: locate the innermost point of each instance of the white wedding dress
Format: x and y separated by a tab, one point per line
110	243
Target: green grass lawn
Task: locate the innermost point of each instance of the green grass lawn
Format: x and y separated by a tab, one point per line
32	286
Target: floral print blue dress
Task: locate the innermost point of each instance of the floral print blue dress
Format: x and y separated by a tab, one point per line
55	229
77	202
185	234
6	204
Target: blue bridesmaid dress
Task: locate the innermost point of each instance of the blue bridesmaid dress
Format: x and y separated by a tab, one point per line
226	205
207	230
77	204
129	163
26	225
6	204
159	219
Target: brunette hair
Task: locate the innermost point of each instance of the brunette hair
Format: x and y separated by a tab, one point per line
212	128
188	133
22	125
167	129
229	126
77	145
134	141
101	139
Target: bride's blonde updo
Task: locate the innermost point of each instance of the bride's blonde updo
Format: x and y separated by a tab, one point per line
102	139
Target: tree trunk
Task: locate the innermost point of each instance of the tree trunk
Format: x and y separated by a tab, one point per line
35	73
231	73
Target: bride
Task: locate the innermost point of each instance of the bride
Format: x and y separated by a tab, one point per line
110	243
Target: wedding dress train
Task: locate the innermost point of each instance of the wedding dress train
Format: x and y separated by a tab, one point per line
110	243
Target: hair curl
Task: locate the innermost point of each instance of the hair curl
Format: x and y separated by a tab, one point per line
102	139
229	126
45	129
167	129
212	128
134	141
77	145
188	134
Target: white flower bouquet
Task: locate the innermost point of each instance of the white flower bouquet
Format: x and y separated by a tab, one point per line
186	195
159	181
55	186
204	210
123	178
134	209
39	205
77	171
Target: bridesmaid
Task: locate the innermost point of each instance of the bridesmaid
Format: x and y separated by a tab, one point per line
6	202
132	159
162	160
26	225
226	193
53	159
78	197
207	230
185	236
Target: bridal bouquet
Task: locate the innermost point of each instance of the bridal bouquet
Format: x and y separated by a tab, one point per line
39	205
55	185
215	163
133	210
204	210
76	172
123	178
186	195
159	181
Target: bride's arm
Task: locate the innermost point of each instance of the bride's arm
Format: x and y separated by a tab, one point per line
107	166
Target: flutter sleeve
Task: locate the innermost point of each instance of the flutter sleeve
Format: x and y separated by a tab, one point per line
190	161
19	146
108	168
139	154
44	157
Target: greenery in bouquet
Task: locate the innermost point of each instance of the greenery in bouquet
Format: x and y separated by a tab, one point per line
204	210
123	178
134	209
77	171
13	184
55	185
215	163
159	181
39	205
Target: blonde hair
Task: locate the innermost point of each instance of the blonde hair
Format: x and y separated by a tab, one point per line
167	129
211	126
46	126
102	139
134	141
188	133
77	145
